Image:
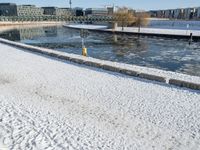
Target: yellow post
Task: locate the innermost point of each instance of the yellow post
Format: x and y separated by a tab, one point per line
84	51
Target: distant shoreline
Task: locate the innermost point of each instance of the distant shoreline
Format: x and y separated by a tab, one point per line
6	26
10	23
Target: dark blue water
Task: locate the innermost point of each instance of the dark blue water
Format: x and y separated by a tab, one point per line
164	53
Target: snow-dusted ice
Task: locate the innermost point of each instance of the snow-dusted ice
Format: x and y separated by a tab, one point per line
84	26
51	104
148	30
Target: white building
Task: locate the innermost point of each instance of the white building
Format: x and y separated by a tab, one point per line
29	10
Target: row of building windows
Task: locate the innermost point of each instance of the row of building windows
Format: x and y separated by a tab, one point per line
185	13
11	9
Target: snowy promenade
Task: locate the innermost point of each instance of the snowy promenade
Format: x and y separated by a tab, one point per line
50	104
160	31
151	31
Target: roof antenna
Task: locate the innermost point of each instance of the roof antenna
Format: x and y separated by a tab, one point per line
70	3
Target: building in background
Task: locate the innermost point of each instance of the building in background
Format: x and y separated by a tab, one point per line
78	11
187	13
64	12
8	9
11	9
96	12
110	10
160	14
29	10
55	11
179	13
153	13
50	11
198	12
167	13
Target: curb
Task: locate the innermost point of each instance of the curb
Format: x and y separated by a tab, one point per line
186	84
153	77
103	65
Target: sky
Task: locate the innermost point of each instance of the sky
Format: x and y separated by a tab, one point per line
135	4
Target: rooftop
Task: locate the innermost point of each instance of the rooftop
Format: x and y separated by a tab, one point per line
7	4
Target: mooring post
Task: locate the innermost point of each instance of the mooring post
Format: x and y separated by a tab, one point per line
83	34
190	41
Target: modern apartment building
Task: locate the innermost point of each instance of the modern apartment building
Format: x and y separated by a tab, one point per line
64	12
180	13
11	9
29	10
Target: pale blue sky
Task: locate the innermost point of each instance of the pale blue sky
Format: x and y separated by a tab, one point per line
136	4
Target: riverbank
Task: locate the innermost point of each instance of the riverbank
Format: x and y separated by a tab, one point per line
47	103
12	23
6	26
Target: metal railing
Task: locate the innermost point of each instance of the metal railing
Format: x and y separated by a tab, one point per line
57	18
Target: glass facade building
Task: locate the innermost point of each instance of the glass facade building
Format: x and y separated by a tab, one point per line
8	9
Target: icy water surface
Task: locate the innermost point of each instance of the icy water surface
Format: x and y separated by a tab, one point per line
164	53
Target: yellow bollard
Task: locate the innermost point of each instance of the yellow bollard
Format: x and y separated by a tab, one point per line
84	51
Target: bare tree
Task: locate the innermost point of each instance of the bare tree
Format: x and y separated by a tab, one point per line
141	19
124	17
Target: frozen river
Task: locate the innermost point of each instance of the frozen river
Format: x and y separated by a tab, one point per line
163	53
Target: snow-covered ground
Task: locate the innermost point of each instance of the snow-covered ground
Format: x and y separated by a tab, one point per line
50	104
160	31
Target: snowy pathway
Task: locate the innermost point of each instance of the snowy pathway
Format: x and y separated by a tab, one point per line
50	104
160	31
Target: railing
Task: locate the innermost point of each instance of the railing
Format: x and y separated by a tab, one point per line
57	18
31	18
